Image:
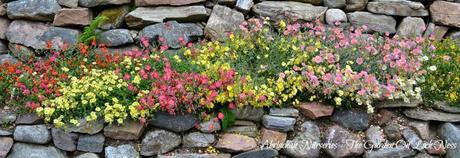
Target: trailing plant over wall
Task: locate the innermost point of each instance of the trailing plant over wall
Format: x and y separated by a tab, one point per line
264	65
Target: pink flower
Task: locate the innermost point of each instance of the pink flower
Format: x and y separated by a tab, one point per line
359	61
127	77
220	115
318	59
262	98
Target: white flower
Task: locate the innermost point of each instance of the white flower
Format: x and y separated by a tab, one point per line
432	68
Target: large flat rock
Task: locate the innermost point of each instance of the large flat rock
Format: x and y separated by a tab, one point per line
37	34
431	115
222	21
144	3
41	10
397	7
374	22
279	10
445	13
143	16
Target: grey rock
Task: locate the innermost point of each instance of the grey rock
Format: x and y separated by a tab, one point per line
26	33
129	130
303	143
5	133
411	27
5	145
393	131
264	153
244	123
38	134
116	16
176	123
196	156
451	134
60	36
398	103
172	31
424	155
398	152
87	155
209	126
374	135
159	142
445	13
19	52
7	117
64	140
249	113
283	124
3	47
37	34
421	127
143	16
352	118
341	137
454	35
69	3
121	151
93	3
444	106
250	131
244	5
41	10
335	3
4	23
222	21
85	127
413	139
421	114
29	119
91	143
335	15
284	112
116	37
198	140
166	2
277	10
355	5
397	7
374	22
22	150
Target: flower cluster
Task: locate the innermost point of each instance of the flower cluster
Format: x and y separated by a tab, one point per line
266	64
443	74
315	63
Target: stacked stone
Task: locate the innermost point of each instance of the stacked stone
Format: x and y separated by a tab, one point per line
308	130
27	25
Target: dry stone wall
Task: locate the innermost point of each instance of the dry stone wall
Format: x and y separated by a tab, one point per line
27	25
310	130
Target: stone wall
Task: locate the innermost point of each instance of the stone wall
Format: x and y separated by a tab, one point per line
26	25
310	130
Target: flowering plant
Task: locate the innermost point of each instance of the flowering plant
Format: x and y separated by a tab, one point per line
443	77
344	66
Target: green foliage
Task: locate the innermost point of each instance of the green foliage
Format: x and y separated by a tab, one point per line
229	118
89	33
443	74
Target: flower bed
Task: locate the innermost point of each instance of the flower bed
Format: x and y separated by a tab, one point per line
260	66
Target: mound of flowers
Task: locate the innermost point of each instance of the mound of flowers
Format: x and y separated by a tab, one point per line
264	65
